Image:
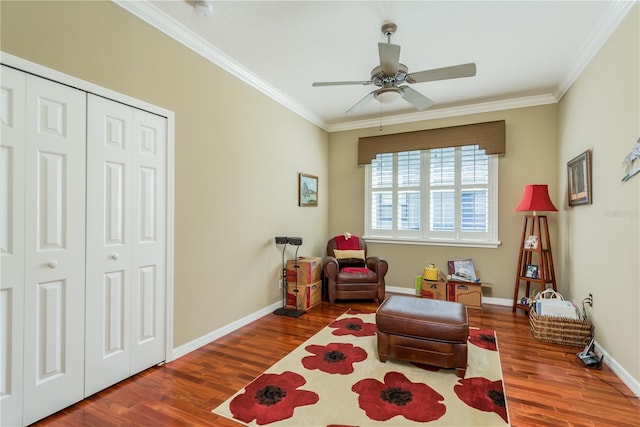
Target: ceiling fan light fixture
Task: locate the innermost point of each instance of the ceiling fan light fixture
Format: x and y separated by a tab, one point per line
388	95
203	6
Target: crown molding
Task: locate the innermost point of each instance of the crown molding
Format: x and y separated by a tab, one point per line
616	12
172	28
154	17
482	107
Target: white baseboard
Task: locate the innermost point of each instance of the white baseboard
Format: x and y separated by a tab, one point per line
620	372
218	333
497	301
398	290
214	335
178	352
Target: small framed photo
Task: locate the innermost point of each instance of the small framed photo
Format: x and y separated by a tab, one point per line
531	242
579	179
307	190
532	271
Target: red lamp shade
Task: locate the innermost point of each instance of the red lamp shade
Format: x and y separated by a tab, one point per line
536	198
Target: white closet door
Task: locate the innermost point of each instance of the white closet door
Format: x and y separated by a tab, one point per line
149	240
54	247
109	221
125	242
12	116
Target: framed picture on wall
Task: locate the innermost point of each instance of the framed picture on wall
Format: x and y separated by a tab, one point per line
307	190
579	179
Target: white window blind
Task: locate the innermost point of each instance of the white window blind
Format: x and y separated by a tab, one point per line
441	196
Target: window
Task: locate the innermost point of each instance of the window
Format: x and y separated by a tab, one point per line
440	196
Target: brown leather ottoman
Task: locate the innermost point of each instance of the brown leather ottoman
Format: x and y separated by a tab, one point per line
423	330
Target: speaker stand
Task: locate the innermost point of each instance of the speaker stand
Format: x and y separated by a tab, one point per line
295	313
283	311
288	312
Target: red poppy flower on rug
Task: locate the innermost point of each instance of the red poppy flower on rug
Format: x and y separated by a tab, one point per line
482	394
271	397
483	339
334	358
327	381
353	326
399	396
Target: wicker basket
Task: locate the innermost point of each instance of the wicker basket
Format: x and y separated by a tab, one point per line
560	330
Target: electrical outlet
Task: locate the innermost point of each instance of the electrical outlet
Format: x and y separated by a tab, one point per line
590	300
279	283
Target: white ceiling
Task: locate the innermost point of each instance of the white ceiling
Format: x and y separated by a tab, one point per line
526	52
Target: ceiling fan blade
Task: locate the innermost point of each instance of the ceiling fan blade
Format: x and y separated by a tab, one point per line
361	103
453	72
356	82
389	58
415	98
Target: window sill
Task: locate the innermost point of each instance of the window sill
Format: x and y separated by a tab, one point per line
460	243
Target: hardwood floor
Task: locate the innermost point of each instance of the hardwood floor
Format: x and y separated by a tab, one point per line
544	383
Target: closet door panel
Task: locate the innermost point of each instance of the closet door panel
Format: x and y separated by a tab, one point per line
12	137
149	243
83	208
54	247
109	237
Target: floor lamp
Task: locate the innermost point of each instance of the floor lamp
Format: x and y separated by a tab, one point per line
535	245
297	242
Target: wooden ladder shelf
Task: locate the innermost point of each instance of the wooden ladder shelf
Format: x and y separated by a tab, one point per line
538	254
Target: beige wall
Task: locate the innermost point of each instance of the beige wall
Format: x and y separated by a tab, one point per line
531	158
600	242
237	153
236	182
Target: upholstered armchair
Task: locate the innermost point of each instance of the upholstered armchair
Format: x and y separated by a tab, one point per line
350	273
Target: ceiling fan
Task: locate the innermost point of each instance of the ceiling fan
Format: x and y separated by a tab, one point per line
390	75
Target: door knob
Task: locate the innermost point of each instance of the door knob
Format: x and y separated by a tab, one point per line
115	256
53	263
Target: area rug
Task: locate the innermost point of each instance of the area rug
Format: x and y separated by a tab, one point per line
336	379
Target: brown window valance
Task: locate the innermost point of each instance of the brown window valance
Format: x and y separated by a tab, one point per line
490	136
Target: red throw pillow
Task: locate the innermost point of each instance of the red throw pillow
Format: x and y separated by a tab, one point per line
343	243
